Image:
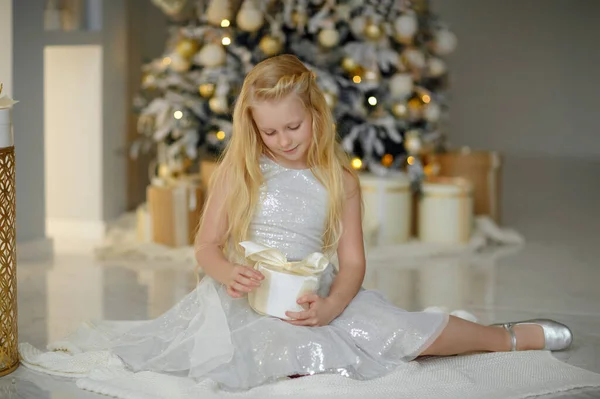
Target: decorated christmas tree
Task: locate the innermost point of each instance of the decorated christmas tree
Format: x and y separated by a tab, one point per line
379	63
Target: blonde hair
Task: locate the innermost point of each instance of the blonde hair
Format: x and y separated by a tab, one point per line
239	168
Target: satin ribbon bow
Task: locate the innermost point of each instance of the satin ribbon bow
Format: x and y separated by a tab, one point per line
273	259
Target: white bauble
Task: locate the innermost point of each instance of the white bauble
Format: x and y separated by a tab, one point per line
211	55
412	142
432	112
401	85
406	25
179	63
445	42
329	38
414	57
250	18
218	105
217	11
437	67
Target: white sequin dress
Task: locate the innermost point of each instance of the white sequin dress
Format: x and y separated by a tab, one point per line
211	335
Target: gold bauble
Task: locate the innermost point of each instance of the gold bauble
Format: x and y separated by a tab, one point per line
415	108
299	18
218	105
331	99
206	90
400	109
187	47
349	65
387	160
373	31
270	45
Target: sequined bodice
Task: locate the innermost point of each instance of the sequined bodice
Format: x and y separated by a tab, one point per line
291	211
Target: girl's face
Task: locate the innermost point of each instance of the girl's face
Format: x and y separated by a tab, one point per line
286	129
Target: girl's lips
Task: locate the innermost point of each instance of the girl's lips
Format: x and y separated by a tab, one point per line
290	151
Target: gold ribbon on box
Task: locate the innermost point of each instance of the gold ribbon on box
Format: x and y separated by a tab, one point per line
275	260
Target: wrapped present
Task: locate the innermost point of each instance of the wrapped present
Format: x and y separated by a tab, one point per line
445	211
483	169
387	207
175	206
284	281
143	224
207	167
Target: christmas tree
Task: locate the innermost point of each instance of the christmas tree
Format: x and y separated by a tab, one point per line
378	62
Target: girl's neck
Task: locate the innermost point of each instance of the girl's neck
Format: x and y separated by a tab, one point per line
286	164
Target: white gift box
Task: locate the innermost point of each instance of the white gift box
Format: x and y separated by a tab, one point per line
387	206
285	282
7	138
446	211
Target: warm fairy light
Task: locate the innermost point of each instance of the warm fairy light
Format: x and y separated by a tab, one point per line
372	100
426	99
387	160
225	23
221	135
356	79
178	115
226	41
356	163
410	160
166	61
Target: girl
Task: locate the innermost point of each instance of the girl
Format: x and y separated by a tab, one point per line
284	182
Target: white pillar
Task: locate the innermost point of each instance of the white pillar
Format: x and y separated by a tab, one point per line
6	44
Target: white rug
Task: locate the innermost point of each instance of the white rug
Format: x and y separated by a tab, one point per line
490	376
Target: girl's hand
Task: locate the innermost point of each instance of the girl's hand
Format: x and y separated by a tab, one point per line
242	279
321	312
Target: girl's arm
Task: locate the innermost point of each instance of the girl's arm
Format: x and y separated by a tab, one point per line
210	242
351	252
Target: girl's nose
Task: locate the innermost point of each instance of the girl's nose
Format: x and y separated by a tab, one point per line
284	141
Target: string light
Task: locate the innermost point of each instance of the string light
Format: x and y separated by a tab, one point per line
426	99
178	115
225	23
221	135
357	163
356	79
410	160
226	41
166	61
387	160
372	100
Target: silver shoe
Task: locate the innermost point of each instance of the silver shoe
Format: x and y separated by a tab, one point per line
557	336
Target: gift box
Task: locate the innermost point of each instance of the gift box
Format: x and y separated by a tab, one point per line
387	207
143	223
483	169
445	211
207	167
175	207
284	281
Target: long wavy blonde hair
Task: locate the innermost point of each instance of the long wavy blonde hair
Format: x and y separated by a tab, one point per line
274	79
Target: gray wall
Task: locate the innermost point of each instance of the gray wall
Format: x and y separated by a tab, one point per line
29	40
525	75
28	120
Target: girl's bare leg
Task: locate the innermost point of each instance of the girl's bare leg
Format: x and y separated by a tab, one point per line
462	336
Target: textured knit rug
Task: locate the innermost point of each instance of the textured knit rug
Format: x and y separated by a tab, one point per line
490	376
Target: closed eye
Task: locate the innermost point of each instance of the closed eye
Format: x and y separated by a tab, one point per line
295	127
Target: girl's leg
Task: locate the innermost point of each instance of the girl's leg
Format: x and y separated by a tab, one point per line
462	336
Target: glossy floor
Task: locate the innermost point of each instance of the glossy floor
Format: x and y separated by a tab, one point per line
553	203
